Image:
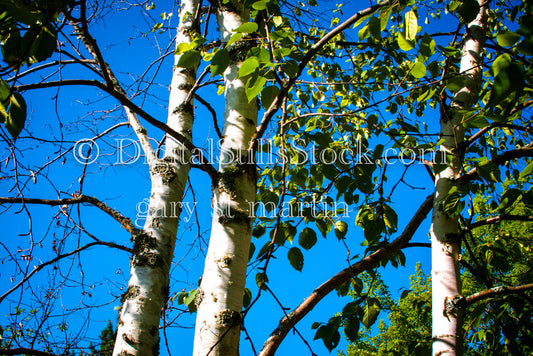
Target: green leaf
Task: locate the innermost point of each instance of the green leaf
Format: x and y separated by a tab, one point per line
427	46
260	5
234	38
260	279
390	217
374	26
262	54
254	86
329	335
296	258
249	66
341	228
5	90
364	33
500	64
410	25
189	59
418	70
525	47
405	45
307	238
268	95
189	301
247	27
452	205
351	328
259	231
526	172
220	62
251	251
20	12
468	11
16	115
507	38
246	298
509	197
291	68
43	44
455	83
323	226
370	312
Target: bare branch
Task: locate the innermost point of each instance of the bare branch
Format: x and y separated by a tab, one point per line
80	199
195	151
60	257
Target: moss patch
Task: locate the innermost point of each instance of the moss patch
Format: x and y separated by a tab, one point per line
165	170
132	293
234	215
143	251
227	181
228	318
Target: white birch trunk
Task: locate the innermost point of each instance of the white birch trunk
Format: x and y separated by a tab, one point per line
446	279
144	300
220	294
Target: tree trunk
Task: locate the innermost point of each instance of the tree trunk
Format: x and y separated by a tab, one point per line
446	282
220	294
153	249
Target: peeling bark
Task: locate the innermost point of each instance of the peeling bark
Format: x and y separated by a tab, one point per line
219	312
445	234
153	249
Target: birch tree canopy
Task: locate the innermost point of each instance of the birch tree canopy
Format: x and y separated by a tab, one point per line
262	177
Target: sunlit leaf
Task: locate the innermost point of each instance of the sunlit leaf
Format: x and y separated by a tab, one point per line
247	27
410	25
507	38
189	59
341	229
249	66
418	70
405	45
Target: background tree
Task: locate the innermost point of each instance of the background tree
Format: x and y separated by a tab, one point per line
496	323
328	120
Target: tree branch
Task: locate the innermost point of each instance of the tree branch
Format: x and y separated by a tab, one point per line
496	220
369	262
59	257
276	103
465	302
526	151
80	199
195	151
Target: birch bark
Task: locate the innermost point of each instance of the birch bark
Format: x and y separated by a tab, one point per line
220	294
153	249
446	282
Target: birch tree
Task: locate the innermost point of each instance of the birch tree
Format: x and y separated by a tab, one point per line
445	250
345	102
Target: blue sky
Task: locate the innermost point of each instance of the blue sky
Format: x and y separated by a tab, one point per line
103	270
